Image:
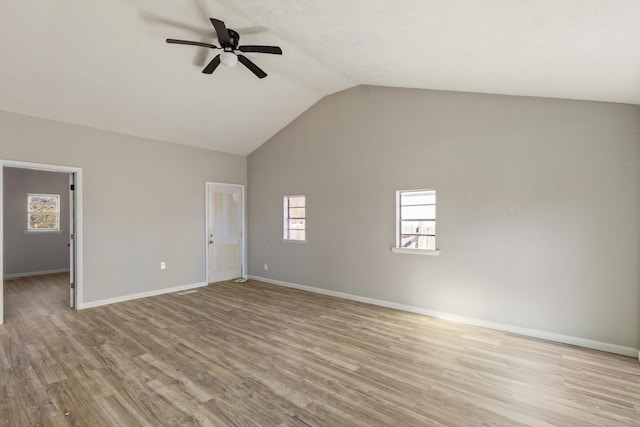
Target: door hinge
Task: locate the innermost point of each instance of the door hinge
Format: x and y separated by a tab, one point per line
72	187
73	285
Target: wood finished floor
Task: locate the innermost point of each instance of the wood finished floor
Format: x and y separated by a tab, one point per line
259	355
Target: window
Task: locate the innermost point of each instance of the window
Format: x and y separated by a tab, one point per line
43	212
416	220
294	218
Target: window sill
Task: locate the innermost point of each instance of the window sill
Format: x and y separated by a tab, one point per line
297	242
43	231
432	252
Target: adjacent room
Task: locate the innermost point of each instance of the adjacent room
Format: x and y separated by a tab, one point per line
281	213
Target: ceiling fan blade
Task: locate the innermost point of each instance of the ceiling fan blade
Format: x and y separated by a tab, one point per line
251	66
255	29
221	31
211	67
158	19
209	45
275	50
200	58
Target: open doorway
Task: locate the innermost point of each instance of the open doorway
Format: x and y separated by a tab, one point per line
41	209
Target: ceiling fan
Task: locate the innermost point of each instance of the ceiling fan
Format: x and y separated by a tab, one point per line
229	40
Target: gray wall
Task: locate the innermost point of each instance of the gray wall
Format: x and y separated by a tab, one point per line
144	201
538	206
33	252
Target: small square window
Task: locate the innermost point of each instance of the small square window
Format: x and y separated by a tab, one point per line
43	212
295	218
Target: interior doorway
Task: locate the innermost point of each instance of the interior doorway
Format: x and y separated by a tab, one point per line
225	213
72	230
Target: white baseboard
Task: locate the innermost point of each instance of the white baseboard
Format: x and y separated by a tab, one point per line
35	273
549	336
91	304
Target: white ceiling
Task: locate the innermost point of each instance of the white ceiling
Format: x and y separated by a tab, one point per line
106	65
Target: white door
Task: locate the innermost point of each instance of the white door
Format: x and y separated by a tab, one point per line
72	241
225	219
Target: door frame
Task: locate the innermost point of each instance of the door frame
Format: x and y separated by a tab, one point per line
77	172
243	251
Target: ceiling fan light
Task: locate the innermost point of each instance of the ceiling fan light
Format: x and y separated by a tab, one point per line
229	59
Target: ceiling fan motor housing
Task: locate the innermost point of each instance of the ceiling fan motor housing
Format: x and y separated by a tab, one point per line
235	39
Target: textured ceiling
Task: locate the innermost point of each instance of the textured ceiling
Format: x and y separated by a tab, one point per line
105	64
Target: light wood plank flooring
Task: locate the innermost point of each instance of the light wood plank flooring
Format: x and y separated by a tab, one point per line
258	355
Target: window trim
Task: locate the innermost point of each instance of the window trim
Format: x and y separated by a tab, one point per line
398	248
57	213
285	223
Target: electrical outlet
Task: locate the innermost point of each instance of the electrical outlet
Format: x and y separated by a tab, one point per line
163	265
266	267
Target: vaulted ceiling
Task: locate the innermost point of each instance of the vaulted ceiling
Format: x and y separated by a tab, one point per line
106	64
